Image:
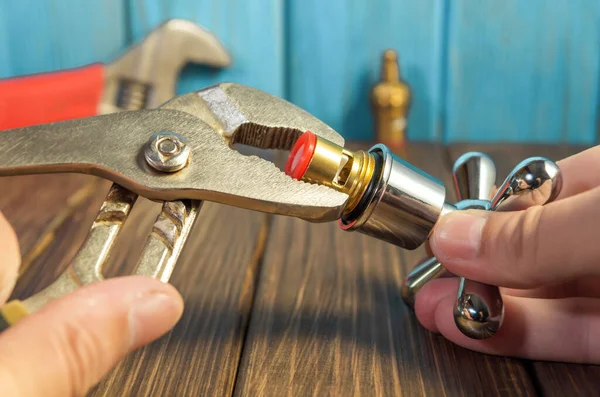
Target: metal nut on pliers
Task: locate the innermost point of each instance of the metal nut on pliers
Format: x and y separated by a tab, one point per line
212	121
167	151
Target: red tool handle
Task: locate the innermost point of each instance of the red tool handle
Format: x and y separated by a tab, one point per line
48	97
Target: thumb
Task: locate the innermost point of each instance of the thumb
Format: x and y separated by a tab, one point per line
69	345
10	258
523	249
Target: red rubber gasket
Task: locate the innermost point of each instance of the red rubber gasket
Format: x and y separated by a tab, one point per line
301	155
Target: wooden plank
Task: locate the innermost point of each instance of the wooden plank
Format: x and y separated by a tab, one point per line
51	215
552	379
559	379
328	319
252	31
23	196
215	275
523	71
334	53
39	36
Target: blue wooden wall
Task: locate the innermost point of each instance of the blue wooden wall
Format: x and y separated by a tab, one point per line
481	70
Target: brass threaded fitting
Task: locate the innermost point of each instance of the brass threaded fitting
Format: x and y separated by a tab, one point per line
317	160
390	101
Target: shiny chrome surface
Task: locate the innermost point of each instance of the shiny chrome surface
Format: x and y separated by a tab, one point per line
474	176
534	181
479	310
405	205
416	279
447	208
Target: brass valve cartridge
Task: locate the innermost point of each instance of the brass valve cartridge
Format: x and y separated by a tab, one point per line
393	201
389	199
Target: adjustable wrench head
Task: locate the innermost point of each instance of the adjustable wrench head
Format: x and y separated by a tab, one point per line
152	66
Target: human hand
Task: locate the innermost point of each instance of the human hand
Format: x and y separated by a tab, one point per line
70	344
546	261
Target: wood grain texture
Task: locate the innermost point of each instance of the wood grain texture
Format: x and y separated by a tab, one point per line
251	30
40	36
216	276
32	204
523	71
328	319
558	379
334	53
552	379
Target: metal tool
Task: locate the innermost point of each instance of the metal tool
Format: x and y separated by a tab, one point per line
372	192
131	148
391	200
390	102
144	76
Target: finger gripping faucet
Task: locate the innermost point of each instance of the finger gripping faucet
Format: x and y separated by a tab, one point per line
391	200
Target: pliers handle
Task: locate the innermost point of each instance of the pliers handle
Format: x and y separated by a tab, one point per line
144	76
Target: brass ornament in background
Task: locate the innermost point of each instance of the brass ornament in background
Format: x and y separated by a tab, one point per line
390	100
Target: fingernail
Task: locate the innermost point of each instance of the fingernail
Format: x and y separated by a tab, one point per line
153	315
458	235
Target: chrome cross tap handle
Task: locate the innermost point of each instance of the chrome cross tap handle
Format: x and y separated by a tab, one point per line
391	200
479	310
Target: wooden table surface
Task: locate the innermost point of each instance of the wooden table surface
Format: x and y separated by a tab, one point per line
277	306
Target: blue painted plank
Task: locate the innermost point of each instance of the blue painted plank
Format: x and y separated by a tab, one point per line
5	58
523	70
334	52
46	35
251	30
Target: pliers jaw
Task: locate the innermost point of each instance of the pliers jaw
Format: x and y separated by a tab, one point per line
242	115
211	120
113	146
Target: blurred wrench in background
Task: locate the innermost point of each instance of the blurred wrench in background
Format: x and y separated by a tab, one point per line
145	76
